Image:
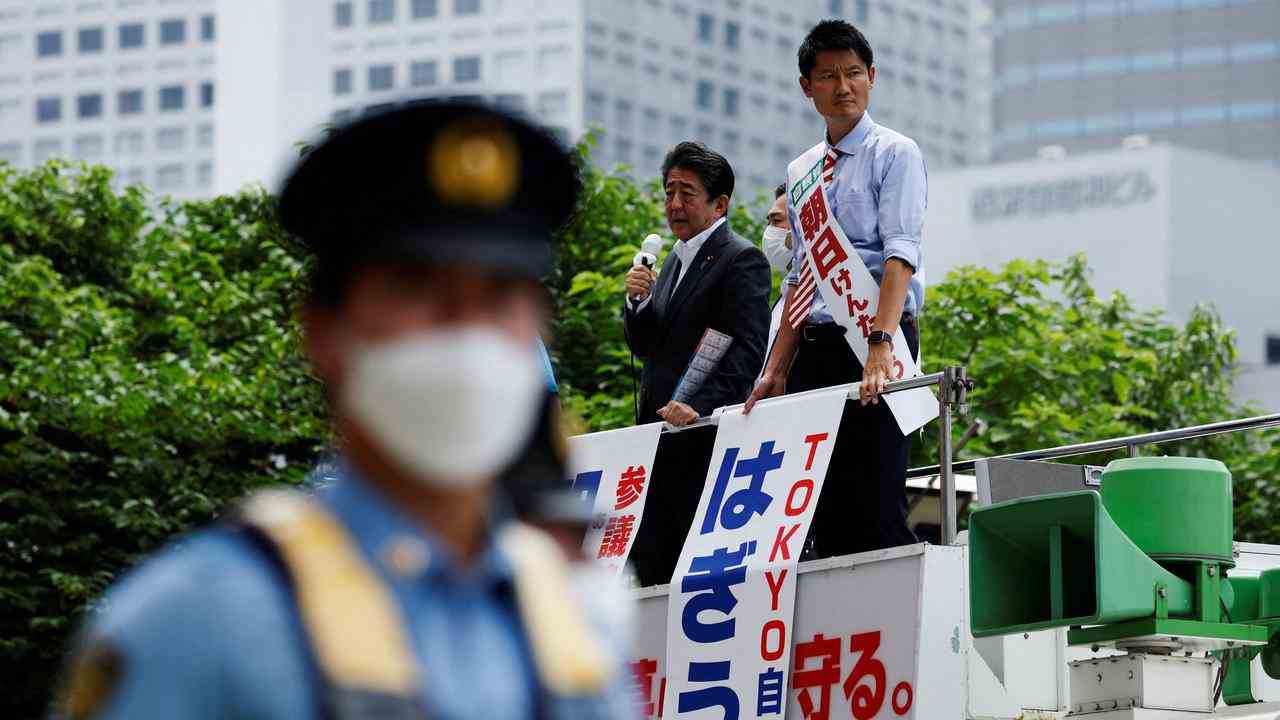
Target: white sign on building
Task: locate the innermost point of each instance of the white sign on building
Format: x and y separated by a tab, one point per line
1169	227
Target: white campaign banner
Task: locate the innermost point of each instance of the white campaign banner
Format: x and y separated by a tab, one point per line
732	596
612	470
847	286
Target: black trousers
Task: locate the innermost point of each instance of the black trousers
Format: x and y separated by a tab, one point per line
863	505
679	471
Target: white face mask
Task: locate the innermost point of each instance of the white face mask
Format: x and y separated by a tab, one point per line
775	247
453	407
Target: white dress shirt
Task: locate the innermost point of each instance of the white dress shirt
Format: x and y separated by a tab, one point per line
687	251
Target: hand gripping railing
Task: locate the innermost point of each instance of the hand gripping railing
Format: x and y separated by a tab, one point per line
953	389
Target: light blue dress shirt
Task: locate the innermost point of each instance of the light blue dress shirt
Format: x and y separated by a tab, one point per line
878	195
207	629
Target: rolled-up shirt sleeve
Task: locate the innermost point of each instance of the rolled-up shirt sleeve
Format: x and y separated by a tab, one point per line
904	193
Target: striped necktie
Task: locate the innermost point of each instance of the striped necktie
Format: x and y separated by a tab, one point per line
808	286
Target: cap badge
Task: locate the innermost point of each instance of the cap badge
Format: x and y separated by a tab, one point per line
474	164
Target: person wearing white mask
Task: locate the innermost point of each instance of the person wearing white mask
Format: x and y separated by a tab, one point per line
776	243
402	588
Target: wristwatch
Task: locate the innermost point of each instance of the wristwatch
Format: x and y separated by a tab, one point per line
880	336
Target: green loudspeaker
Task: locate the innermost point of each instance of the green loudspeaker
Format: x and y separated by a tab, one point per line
1060	560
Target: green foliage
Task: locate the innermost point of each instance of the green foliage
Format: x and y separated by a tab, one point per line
149	374
1055	364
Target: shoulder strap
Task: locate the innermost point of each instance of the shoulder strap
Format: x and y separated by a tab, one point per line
336	592
569	656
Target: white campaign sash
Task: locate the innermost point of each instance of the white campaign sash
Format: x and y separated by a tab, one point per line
613	470
850	292
731	606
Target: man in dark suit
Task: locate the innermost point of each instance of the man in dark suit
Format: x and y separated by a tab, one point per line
711	279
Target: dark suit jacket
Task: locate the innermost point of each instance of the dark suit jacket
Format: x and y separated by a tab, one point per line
726	289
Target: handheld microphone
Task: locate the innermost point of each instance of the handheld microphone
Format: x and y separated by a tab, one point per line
649	249
648	255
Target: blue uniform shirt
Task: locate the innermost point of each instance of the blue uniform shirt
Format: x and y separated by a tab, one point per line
878	195
207	630
547	370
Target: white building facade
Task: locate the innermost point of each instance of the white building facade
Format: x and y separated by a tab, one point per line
194	97
1169	227
126	83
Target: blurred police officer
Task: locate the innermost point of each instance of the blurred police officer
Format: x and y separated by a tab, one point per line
400	590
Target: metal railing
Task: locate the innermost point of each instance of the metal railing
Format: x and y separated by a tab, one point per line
953	388
1130	444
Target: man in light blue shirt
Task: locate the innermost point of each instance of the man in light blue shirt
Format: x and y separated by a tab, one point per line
876	189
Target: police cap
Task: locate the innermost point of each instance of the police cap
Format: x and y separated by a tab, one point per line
435	182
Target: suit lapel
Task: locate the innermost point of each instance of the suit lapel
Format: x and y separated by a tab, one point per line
707	256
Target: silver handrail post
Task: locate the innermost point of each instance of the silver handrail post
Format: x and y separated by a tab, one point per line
953	395
946	482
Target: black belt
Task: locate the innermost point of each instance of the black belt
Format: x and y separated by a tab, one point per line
820	332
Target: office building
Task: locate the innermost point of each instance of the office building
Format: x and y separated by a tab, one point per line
1169	227
1085	74
194	97
127	83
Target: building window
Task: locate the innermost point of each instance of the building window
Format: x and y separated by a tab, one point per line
730	142
1273	349
89	106
49	44
208	28
622	112
466	7
204	174
423	73
706	29
88	148
732	32
48	109
46	149
381	77
11	152
343	15
342	81
204	136
171	177
553	105
381	11
129	102
510	102
131	36
705	94
731	102
136	176
595	108
171	139
173	97
90	40
423	9
466	69
860	11
206	95
173	32
129	142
